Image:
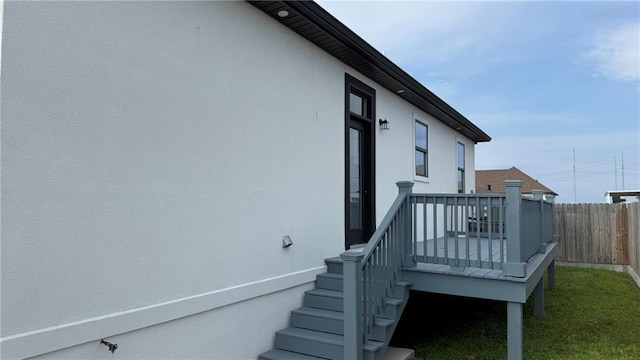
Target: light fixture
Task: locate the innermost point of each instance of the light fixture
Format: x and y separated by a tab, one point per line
283	13
401	91
384	124
286	241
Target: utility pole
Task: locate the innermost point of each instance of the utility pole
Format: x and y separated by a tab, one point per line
615	170
574	175
622	161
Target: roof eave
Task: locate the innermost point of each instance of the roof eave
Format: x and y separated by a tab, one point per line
375	63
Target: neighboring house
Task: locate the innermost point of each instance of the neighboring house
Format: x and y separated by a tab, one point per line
492	182
174	175
617	196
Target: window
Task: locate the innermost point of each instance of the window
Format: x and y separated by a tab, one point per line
460	168
422	163
358	105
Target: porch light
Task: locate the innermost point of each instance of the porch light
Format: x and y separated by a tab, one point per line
384	124
283	13
401	91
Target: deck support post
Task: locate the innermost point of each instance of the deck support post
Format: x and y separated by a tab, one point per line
514	331
551	274
515	263
538	298
352	305
409	259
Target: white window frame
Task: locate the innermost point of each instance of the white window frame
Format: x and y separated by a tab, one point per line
423	121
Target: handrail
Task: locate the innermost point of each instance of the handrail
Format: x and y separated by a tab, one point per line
491	231
376	237
370	276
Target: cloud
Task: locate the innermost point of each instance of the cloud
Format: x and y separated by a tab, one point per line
431	33
616	52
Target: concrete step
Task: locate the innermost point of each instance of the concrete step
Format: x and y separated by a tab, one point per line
324	299
277	354
399	354
319	344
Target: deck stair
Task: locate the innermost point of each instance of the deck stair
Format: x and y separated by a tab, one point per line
316	329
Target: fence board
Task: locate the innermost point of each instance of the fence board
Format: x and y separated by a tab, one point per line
596	236
599	233
633	218
558	218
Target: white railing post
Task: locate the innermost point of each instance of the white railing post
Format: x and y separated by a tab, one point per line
352	305
514	264
409	259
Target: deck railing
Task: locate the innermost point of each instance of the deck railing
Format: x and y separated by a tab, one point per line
459	229
492	231
369	276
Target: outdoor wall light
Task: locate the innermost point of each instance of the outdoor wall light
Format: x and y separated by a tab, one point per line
283	13
286	241
384	124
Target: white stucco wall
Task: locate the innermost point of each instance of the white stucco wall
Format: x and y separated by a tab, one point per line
153	156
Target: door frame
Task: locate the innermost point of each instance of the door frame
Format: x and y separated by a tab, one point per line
353	85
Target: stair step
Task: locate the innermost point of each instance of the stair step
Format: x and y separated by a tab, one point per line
329	281
333	322
382	329
315	343
392	308
318	319
324	299
400	288
334	265
277	354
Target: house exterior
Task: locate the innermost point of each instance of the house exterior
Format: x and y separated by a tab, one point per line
492	181
617	196
155	155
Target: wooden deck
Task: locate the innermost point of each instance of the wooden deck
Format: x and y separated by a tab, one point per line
476	249
478	282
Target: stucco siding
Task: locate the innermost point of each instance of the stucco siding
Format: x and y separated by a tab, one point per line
153	156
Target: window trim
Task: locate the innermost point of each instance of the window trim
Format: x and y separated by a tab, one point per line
463	168
416	148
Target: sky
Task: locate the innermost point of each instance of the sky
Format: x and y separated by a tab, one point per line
543	79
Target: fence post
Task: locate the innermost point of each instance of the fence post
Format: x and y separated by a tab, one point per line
539	195
352	305
514	265
409	259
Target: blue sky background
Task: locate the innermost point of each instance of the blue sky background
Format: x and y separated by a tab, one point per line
541	78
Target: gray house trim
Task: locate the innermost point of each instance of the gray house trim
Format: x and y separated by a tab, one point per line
312	22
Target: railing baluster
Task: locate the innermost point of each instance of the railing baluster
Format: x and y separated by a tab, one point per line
414	235
455	232
424	227
502	228
465	224
446	235
490	232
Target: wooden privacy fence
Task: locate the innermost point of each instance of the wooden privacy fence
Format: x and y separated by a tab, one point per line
599	233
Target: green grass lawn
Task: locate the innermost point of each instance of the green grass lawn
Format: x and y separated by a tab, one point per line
591	314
